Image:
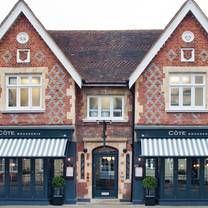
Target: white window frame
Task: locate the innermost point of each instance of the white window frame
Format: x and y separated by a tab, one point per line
99	117
180	86
29	86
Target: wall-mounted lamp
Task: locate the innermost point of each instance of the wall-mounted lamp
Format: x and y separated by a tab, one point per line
85	150
124	150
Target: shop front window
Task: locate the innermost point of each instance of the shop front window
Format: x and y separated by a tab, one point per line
206	176
150	167
26	174
169	179
2	173
13	174
195	177
58	167
39	177
182	177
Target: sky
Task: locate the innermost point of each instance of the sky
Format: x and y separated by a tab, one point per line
102	14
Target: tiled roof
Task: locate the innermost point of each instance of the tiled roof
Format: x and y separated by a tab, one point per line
105	56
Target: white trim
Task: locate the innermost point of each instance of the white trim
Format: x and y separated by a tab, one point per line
190	5
99	117
192	85
21	6
28	86
191	59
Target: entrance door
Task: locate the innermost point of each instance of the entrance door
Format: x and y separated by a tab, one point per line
105	172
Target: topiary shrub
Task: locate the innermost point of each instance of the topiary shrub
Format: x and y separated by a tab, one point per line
58	182
149	183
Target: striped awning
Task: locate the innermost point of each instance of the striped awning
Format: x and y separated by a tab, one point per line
38	147
167	147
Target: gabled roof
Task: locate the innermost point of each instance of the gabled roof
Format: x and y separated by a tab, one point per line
105	56
22	7
189	6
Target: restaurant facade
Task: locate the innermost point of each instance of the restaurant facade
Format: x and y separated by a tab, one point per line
104	109
171	112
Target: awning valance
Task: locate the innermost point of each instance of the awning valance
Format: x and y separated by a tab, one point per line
180	147
38	147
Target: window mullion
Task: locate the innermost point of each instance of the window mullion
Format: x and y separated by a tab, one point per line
99	107
193	96
180	96
111	106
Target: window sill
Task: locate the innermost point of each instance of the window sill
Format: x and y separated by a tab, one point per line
107	120
186	110
23	111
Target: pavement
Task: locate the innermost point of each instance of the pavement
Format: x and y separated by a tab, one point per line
99	206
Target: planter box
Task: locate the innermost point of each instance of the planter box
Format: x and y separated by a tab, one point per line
150	200
57	196
57	200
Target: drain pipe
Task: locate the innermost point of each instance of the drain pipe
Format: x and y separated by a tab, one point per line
132	90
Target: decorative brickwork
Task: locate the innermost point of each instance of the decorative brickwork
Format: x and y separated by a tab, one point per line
58	98
7	56
171	55
151	89
152	83
39	56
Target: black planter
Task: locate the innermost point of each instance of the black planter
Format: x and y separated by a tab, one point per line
57	200
57	196
150	200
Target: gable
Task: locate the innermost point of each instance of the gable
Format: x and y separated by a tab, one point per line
21	7
189	6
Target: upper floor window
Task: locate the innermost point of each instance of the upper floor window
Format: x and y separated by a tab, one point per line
23	92
187	91
106	107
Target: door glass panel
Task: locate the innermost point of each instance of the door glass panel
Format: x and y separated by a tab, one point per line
26	174
39	174
105	170
168	185
182	177
58	167
2	174
13	174
195	177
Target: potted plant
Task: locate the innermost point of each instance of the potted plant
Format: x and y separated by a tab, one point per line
149	183
58	183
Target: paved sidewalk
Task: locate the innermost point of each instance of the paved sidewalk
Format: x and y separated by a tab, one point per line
99	206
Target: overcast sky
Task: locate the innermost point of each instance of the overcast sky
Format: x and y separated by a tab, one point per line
102	14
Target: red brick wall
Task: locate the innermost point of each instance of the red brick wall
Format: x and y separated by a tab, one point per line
149	84
94	130
59	79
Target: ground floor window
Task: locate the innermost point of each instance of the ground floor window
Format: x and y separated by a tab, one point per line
183	178
28	177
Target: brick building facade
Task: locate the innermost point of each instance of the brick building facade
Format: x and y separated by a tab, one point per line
104	109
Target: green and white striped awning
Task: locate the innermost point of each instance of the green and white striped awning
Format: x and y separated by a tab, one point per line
36	147
174	147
